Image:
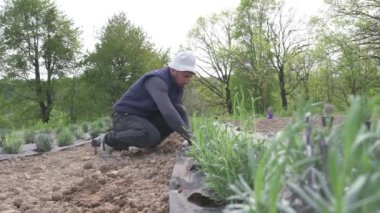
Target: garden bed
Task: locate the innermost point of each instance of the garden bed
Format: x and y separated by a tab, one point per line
76	180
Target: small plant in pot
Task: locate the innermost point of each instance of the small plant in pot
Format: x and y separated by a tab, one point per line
327	118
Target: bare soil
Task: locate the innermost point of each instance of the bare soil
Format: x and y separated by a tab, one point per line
76	180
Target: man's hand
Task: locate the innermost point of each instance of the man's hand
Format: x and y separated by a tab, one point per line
186	134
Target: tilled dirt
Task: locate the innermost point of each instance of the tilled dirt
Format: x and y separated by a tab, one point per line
76	180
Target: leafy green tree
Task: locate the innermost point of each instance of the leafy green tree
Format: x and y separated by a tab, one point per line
256	74
362	18
122	55
285	42
301	69
41	45
344	67
212	37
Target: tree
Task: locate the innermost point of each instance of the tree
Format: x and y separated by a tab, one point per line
253	57
41	45
301	67
122	55
362	18
212	37
345	67
285	44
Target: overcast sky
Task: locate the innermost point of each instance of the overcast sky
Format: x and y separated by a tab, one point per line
166	22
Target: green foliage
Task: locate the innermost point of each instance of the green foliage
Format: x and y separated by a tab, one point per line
43	142
95	132
85	127
198	99
123	54
65	138
100	125
77	131
29	136
58	119
43	127
13	142
224	155
5	123
360	20
3	133
312	169
213	37
52	52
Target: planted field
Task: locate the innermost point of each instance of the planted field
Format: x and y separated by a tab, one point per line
281	165
76	180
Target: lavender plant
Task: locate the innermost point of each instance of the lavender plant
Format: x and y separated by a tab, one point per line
225	154
13	142
43	142
307	169
65	138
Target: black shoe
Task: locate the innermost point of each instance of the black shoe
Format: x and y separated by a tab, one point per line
105	150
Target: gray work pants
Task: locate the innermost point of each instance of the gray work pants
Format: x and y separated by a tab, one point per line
132	130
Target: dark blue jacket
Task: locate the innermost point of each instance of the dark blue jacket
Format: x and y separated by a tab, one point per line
137	101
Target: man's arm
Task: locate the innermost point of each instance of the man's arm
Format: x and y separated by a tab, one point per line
158	89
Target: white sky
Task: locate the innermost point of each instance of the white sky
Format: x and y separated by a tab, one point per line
166	22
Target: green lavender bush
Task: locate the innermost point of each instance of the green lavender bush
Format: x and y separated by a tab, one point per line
65	138
223	153
13	142
309	168
43	142
85	127
29	136
3	133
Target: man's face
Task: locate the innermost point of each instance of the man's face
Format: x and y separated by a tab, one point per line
182	78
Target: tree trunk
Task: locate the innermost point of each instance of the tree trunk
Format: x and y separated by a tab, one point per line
229	99
39	91
281	78
72	114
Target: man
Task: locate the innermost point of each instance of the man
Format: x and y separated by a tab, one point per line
151	109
